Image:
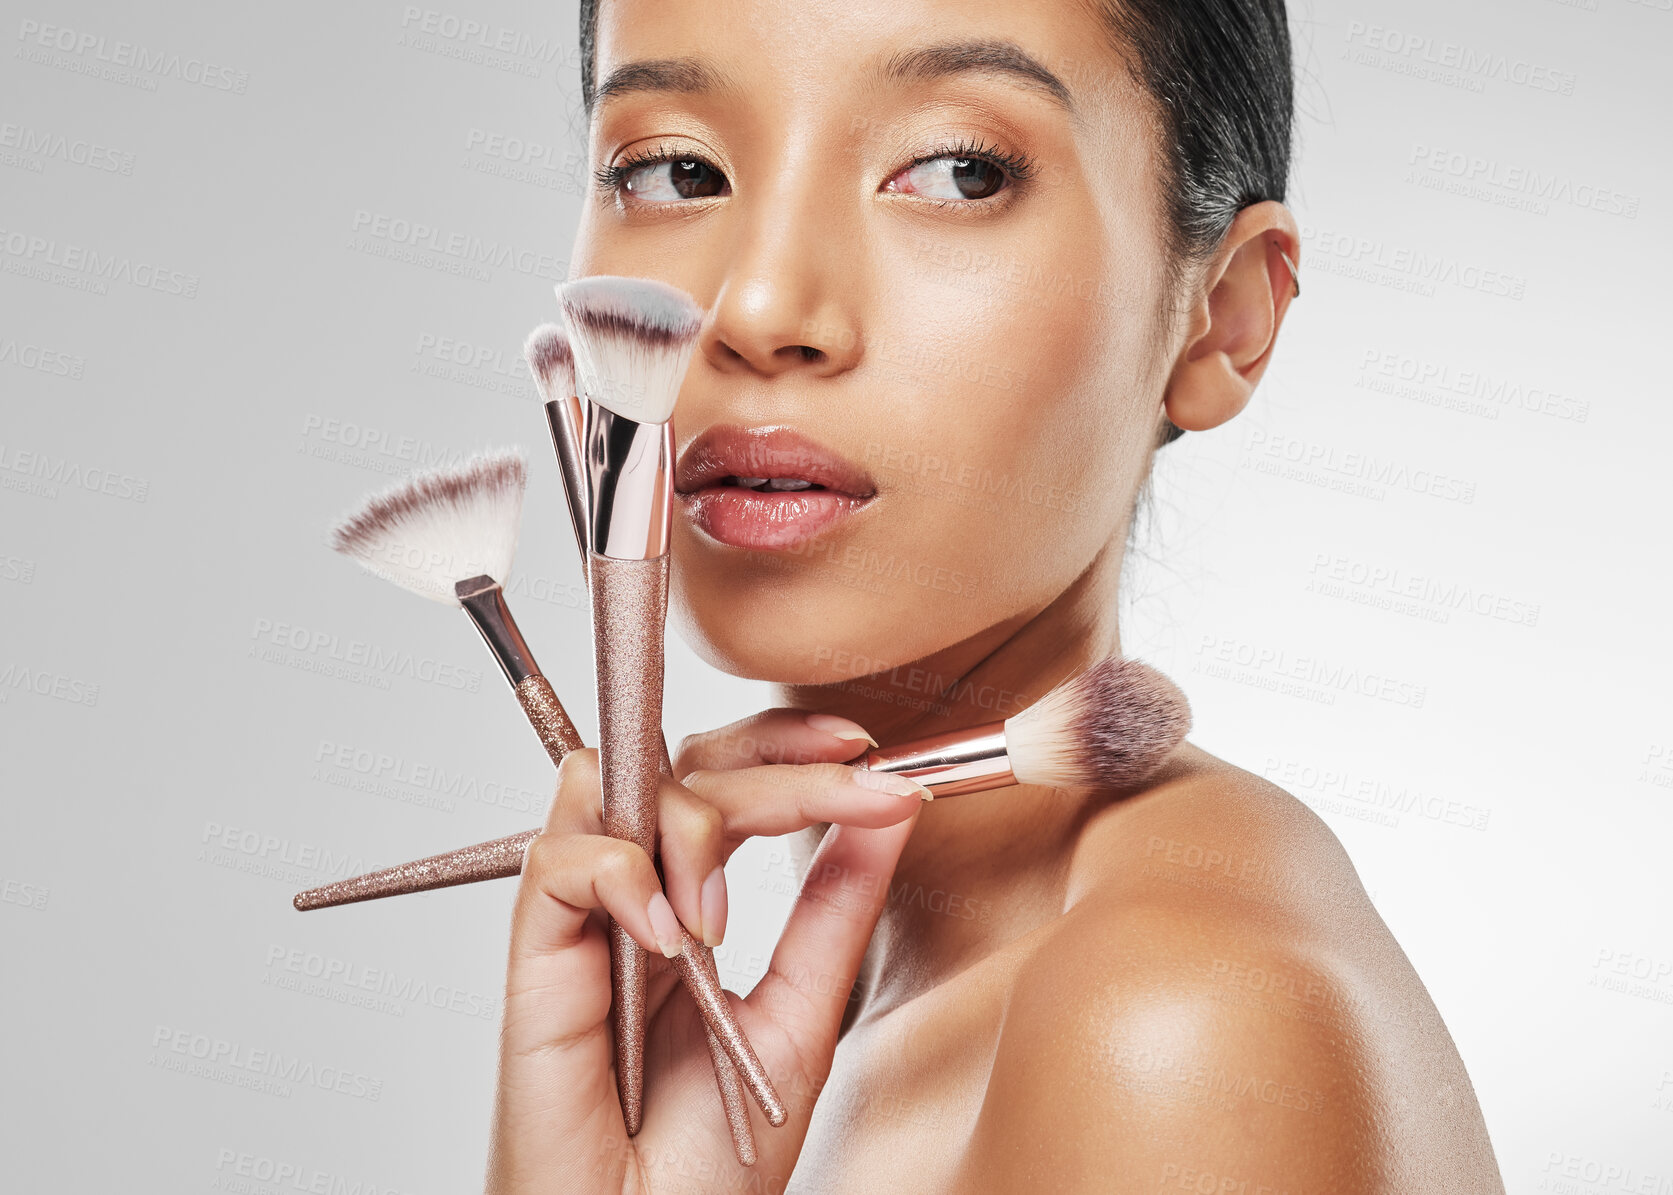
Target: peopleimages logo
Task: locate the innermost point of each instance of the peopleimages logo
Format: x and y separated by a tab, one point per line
40	473
1468	62
1417	269
358	654
466	250
1308	676
240	1167
382	982
41	359
272	1071
33	254
382	773
39	40
76	151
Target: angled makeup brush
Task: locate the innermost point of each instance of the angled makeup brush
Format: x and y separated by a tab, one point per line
438	530
553	364
632	339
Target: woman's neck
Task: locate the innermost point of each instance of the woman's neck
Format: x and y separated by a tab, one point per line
982	868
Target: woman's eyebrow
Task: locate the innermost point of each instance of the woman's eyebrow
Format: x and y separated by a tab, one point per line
978	55
687	76
692	75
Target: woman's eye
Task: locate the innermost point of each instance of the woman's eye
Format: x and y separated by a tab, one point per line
677	178
951	178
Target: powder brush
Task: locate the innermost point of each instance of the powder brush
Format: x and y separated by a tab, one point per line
423	535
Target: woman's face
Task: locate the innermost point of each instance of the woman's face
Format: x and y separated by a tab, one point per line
929	236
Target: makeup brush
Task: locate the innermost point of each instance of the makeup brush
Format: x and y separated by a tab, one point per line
1123	711
631	339
553	364
1109	727
421	535
449	536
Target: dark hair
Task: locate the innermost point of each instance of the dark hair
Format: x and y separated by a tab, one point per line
1221	76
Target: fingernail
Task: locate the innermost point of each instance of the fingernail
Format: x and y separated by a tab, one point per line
664	925
840	728
713	903
889	782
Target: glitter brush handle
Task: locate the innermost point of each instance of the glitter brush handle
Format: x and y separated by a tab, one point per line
629	603
495	860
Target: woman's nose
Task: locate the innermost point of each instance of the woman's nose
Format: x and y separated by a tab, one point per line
792	288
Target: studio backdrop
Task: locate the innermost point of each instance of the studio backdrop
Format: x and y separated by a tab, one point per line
255	263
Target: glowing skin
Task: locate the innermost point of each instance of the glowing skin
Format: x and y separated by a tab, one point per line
1053	987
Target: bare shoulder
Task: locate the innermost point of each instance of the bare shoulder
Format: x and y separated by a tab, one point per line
1221	1008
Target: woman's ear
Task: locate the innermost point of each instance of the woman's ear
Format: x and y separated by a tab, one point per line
1247	288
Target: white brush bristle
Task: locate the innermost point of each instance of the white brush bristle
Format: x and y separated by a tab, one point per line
632	339
551	361
442	527
1110	727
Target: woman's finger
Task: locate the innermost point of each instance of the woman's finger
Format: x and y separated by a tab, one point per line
703	820
691	845
773	799
809	982
577	806
772	736
565	876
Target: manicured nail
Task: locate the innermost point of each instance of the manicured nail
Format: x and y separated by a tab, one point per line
664	925
713	902
840	728
889	782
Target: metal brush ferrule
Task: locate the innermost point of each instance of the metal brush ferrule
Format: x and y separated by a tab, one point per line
960	761
629	485
484	601
563	417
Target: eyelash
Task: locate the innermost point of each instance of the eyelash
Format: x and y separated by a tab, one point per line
1018	167
611	178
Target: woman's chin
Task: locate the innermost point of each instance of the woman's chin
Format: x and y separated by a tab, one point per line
787	646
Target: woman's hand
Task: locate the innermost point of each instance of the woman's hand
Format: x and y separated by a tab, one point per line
558	1123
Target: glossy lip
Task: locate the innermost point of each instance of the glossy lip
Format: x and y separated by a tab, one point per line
763	521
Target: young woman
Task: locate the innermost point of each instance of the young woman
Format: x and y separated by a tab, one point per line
968	264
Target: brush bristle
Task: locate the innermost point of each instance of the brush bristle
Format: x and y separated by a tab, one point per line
442	527
1110	727
551	361
632	339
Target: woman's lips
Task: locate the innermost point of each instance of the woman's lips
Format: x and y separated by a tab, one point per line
766	488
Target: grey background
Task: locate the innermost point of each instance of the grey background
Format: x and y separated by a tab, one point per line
1450	494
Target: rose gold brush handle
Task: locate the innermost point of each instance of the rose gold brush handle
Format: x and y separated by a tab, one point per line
627	602
726	1071
548	717
628	962
495	860
559	736
563	420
